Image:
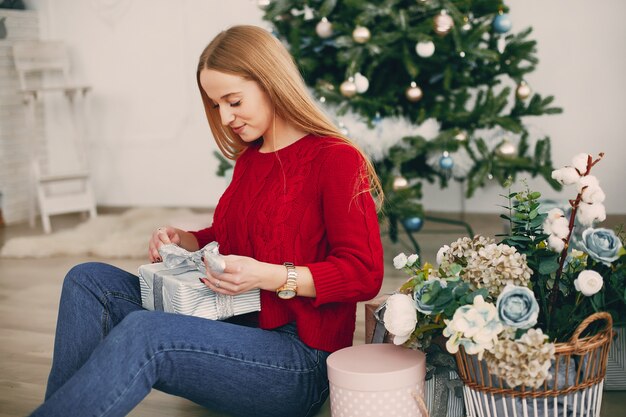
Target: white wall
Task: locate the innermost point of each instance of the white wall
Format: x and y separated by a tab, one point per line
150	143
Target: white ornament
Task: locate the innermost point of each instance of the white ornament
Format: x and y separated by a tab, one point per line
400	183
506	149
523	91
324	28
361	34
461	136
501	45
425	49
362	83
263	4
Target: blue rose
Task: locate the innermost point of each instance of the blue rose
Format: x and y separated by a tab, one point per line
432	297
517	307
603	245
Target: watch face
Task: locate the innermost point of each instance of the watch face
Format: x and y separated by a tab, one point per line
286	294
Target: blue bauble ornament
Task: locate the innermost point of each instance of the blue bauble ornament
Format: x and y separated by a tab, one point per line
446	162
502	23
413	224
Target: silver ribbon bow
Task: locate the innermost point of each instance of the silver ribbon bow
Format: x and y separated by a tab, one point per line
178	259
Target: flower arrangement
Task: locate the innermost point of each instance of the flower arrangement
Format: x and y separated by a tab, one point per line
509	302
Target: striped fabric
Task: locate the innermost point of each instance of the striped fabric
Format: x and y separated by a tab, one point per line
616	367
455	406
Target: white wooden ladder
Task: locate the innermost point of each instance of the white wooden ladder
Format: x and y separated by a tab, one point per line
43	69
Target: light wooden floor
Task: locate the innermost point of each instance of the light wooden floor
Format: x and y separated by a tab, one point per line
29	294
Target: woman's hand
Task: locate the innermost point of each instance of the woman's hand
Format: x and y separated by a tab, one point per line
160	237
242	274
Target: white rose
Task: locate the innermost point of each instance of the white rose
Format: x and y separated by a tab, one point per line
412	259
588	282
400	317
580	162
566	175
560	228
589	213
400	261
555	243
441	253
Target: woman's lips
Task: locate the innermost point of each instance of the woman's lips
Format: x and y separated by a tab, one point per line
238	129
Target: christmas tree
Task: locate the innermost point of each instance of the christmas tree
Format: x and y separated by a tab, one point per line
433	90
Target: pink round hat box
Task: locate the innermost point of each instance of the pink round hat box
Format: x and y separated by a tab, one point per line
377	380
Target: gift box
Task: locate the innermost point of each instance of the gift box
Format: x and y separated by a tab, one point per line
174	286
377	380
442	387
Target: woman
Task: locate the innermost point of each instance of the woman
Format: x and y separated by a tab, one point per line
298	221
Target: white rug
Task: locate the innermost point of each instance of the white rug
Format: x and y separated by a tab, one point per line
123	235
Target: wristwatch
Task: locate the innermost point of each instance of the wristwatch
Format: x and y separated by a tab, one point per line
290	289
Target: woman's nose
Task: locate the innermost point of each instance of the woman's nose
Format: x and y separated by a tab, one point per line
226	115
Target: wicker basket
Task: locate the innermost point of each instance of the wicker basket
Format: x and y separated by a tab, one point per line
574	390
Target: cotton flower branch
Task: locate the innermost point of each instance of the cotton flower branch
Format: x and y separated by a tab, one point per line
588	201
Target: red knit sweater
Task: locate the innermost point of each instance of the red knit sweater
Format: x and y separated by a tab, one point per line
302	204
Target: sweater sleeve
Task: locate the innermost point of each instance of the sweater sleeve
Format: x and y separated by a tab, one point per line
204	236
353	269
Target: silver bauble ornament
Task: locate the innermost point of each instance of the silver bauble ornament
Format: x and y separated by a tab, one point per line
523	91
506	149
263	4
324	28
361	34
414	93
348	88
362	83
400	183
425	49
442	23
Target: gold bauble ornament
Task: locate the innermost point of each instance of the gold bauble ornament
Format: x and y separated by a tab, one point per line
442	23
348	88
506	149
414	93
361	34
400	183
523	91
324	28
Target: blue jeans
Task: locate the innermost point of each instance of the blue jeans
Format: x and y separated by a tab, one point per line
109	353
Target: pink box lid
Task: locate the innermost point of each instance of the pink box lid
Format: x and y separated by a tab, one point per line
376	367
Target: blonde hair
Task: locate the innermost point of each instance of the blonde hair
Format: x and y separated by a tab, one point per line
254	54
